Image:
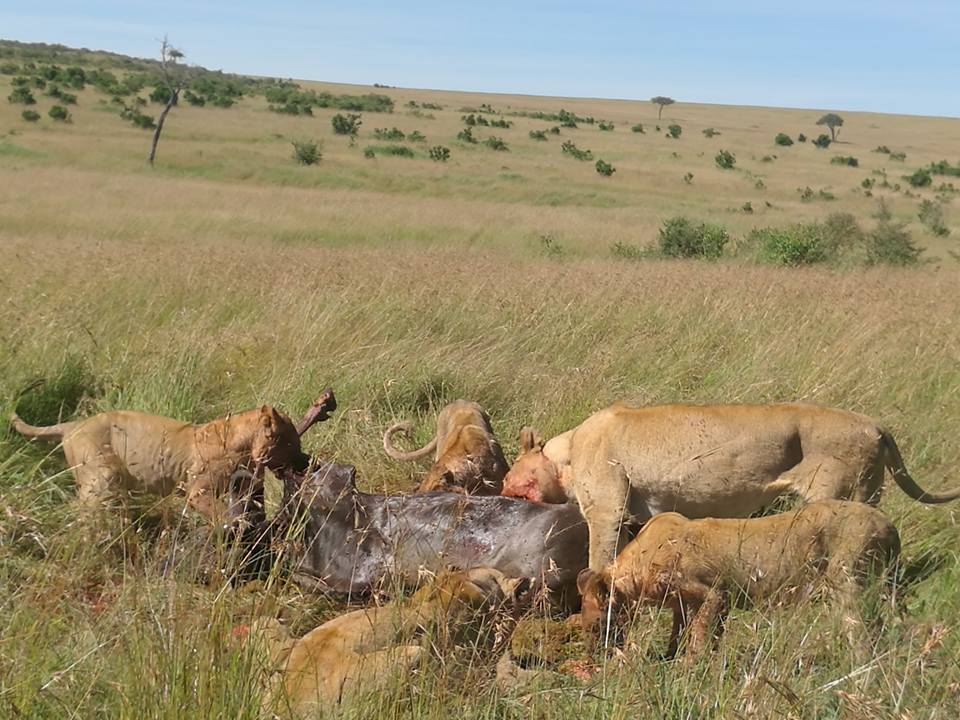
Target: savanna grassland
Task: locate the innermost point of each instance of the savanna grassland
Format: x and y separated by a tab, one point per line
228	276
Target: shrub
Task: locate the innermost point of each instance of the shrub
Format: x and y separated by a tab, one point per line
800	244
439	153
222	101
306	152
555	130
348	124
848	160
806	194
142	121
466	135
549	246
501	123
759	184
725	160
538	135
68	98
921	178
568	148
472	120
9	68
22	95
638	128
688	178
416	136
826	195
495	143
747	207
822	141
898	156
30	115
868	183
59	112
682	238
194	99
890	243
391	134
931	216
160	94
841	234
605	126
369	152
768	158
801	138
395	150
783	139
882	149
711	132
943	167
674	131
604	168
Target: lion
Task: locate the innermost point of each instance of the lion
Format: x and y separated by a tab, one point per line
363	650
121	458
699	568
468	457
628	464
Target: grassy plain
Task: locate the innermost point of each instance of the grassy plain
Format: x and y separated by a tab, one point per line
227	276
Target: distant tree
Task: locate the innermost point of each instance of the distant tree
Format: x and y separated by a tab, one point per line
832	121
174	78
662	102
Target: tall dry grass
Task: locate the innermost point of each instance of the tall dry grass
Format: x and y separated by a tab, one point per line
196	330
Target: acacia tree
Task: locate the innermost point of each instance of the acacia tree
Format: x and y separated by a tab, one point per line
832	121
174	78
662	101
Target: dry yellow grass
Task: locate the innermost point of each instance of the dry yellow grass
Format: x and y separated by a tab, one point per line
228	276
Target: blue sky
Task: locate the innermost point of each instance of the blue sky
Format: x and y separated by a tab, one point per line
844	55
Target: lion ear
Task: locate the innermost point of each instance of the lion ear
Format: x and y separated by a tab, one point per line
530	440
268	417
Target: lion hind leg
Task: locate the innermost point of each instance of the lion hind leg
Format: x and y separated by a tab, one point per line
825	478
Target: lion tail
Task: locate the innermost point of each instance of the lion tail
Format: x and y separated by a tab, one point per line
48	432
894	463
405	427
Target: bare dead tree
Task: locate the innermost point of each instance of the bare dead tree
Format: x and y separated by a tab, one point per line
175	80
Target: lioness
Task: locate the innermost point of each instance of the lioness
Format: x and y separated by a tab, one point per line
468	457
364	649
698	568
706	461
120	457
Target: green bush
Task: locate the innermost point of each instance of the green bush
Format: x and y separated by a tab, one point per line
801	138
555	130
800	244
568	148
346	124
931	217
495	143
711	132
783	139
604	168
674	131
920	178
627	251
369	152
688	178
59	112
473	120
943	167
9	68
898	156
391	134
395	150
22	95
306	152
68	98
890	244
416	136
638	128
223	101
823	141
466	135
30	115
194	99
848	160
682	238
538	134
882	149
605	126
501	123
160	94
725	160
439	153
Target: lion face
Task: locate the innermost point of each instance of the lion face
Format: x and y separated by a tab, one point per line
276	445
533	476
